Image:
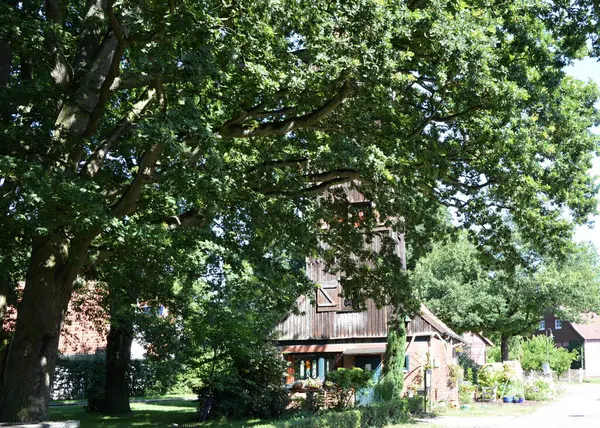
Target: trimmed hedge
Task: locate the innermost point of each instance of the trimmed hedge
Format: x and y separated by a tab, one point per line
372	416
82	377
346	419
386	413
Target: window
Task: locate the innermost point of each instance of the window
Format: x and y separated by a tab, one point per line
406	363
557	324
307	366
542	325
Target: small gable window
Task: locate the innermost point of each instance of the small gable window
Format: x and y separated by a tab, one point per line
542	325
557	324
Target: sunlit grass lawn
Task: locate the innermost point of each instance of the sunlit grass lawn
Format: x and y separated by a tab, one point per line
160	414
134	399
166	413
497	408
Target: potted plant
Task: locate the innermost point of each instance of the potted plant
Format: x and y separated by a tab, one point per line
508	399
314	384
519	398
411	391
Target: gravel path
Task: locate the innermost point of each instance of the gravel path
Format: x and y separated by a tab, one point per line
579	407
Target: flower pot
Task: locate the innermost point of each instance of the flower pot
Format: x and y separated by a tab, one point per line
519	400
508	399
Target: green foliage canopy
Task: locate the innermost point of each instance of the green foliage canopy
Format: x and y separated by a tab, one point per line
124	118
470	295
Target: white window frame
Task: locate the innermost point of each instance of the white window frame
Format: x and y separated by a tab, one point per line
558	324
542	325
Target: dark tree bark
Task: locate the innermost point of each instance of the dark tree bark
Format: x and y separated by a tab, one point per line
118	358
504	346
31	355
5	62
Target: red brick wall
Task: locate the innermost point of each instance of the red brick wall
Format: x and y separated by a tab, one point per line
441	357
86	324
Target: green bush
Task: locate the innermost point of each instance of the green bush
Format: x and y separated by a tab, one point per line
488	377
246	387
345	419
372	416
465	392
539	390
347	380
385	413
534	355
416	405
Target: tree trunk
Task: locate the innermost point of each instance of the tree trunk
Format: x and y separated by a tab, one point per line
118	358
504	346
31	357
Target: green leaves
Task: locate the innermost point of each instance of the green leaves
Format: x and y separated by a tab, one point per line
264	107
472	295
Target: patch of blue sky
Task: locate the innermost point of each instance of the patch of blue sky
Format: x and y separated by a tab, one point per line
588	69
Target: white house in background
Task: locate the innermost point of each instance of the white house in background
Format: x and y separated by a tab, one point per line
589	330
476	347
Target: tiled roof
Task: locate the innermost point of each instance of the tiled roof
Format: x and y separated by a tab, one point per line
589	328
437	323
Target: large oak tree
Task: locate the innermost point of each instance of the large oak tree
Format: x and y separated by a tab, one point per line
506	296
217	114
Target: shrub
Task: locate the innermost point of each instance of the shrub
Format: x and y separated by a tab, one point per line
416	405
391	382
385	413
245	387
539	390
465	392
488	377
345	419
534	355
455	375
347	380
372	416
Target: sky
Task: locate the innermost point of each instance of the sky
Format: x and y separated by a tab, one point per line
588	69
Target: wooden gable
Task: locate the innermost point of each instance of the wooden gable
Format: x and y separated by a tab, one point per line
327	297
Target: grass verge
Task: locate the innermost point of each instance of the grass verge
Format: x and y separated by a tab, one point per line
160	414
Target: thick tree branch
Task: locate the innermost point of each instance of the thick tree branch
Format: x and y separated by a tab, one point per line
6	57
280	164
233	129
61	72
113	72
325	180
132	82
191	218
91	36
450	117
101	256
124	124
128	202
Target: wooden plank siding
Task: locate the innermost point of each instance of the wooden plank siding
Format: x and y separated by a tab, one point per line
372	323
330	319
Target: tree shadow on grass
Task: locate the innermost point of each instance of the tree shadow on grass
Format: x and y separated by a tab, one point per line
142	415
